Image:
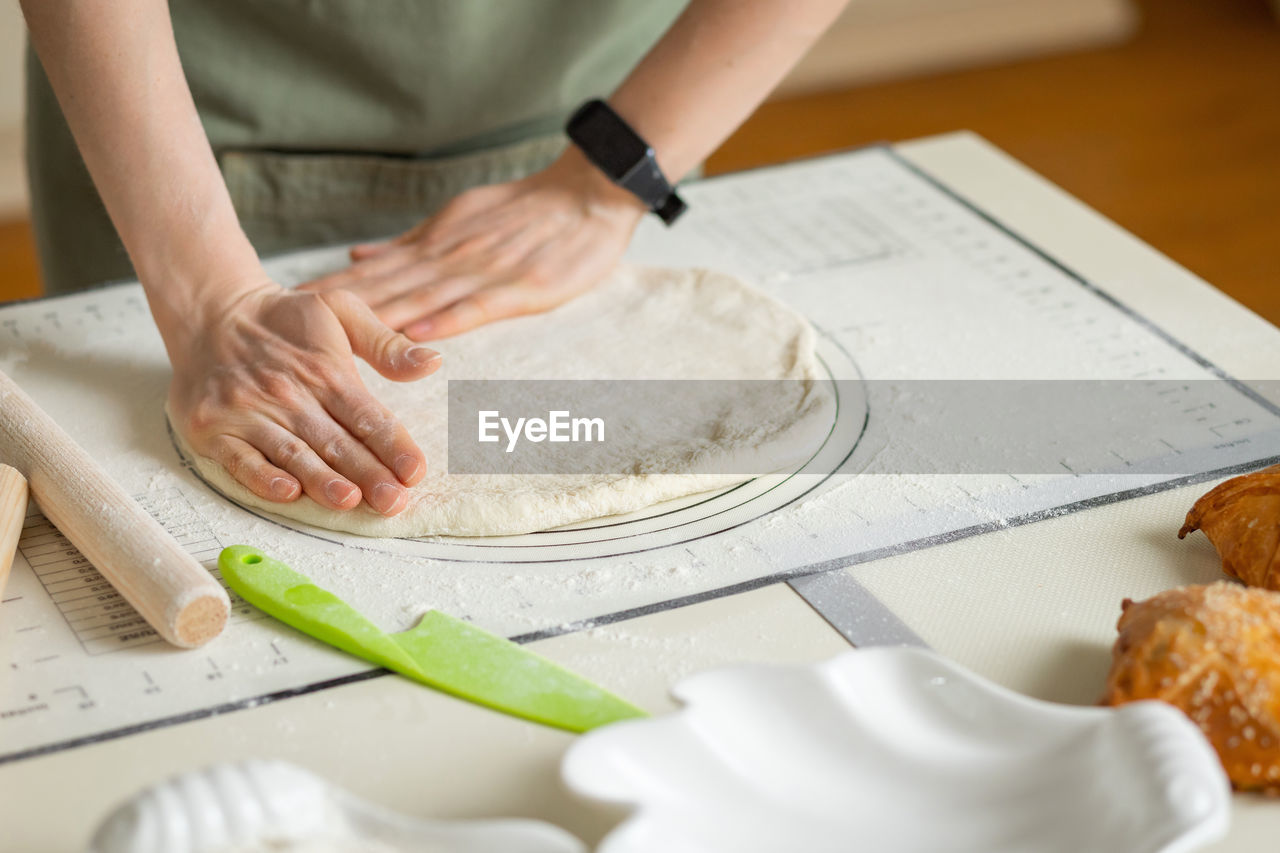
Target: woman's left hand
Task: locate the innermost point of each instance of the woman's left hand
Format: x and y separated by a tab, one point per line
496	251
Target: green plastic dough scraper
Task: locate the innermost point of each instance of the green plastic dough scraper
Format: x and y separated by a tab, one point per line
440	651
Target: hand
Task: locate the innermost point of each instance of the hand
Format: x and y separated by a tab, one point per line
269	389
494	252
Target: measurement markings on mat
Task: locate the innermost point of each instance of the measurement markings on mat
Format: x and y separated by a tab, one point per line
98	615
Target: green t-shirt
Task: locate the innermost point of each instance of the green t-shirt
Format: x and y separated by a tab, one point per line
309	103
406	76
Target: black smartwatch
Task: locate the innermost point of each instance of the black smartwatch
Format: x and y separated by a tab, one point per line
618	151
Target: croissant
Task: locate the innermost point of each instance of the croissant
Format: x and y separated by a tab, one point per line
1213	652
1241	517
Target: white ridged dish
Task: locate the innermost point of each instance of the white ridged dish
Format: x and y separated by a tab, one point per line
890	750
274	807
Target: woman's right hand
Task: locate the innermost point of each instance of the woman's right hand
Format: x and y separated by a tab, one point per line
267	386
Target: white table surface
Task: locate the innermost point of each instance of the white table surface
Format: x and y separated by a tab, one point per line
1032	607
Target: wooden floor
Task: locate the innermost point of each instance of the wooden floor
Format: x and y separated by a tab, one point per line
1175	135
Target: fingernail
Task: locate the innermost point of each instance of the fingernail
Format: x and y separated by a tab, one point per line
420	356
407	468
420	329
283	489
340	491
385	497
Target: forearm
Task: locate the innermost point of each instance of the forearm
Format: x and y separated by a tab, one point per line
712	68
115	69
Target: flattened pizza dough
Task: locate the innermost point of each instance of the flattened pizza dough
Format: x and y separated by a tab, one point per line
642	323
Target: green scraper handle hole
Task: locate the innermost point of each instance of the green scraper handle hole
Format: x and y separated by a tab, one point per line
251	558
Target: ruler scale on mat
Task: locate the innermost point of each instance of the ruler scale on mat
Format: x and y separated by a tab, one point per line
897	274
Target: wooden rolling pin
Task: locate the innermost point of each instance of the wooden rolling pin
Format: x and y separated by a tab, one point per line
13	512
142	561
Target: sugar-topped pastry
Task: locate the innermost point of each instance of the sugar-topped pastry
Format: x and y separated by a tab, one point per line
1214	652
1241	517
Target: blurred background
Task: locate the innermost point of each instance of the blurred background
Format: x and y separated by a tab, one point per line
1164	115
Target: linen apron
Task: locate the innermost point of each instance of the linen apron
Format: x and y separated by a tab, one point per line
343	120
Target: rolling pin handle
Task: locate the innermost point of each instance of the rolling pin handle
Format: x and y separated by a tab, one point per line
13	512
174	593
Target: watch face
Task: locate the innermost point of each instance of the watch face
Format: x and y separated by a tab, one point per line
607	139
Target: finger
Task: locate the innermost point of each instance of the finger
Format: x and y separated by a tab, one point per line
399	270
391	354
378	429
251	469
416	234
416	304
434	281
413	253
485	306
361	275
320	482
413	259
388	257
360	251
343	453
400	281
391	260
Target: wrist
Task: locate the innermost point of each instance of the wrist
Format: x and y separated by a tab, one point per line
185	307
625	157
593	187
192	279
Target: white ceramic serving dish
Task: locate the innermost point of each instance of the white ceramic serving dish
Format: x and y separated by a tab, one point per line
274	807
885	750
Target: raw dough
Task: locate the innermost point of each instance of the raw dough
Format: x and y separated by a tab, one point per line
642	323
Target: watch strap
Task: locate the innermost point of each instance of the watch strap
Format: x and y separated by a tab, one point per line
646	181
614	147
